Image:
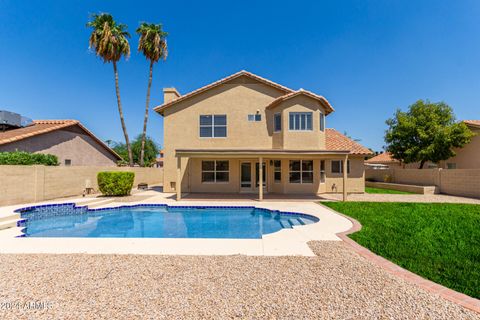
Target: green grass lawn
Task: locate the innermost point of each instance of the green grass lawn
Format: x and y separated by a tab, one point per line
386	191
437	241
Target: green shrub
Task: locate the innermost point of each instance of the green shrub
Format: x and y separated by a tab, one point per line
115	183
27	158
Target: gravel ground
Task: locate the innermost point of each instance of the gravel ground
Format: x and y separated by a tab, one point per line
378	197
337	284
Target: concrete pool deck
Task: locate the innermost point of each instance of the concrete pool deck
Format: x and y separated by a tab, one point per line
285	242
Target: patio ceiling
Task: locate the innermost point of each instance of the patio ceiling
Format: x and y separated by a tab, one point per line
243	153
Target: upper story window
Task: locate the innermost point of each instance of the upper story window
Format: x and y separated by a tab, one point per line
213	126
254	117
277	122
300	121
322	122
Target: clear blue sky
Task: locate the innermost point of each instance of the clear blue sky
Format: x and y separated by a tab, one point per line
367	57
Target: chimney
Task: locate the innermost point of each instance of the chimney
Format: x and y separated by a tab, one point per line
170	94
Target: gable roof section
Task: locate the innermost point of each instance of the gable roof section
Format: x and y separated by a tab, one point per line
473	123
335	141
40	127
309	94
385	157
162	107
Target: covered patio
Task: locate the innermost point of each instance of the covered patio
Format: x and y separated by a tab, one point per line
245	176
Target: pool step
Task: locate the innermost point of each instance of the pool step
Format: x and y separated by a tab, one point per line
96	204
283	224
6	224
8	216
294	222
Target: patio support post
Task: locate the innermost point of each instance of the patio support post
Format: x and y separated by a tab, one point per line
178	184
345	171
260	178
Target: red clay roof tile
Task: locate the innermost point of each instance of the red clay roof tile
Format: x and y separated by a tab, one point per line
336	141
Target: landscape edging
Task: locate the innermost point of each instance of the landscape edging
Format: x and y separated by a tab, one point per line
428	285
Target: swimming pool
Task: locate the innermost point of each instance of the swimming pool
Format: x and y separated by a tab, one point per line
156	221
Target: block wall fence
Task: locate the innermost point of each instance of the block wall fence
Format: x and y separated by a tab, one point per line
457	182
24	184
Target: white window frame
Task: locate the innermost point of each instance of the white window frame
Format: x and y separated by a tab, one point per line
322	122
451	165
277	169
323	173
257	117
214	171
278	114
301	115
301	171
341	166
212	125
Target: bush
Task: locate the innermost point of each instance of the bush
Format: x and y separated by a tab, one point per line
113	183
27	158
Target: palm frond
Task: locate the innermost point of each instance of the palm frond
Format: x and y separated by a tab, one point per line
153	41
108	39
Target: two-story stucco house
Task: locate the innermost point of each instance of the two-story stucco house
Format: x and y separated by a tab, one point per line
247	134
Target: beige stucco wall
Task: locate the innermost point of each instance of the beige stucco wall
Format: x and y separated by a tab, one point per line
300	140
70	143
23	184
237	99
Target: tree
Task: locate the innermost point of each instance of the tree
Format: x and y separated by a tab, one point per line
426	132
109	40
153	45
150	150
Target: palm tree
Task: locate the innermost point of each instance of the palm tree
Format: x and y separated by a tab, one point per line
109	40
153	45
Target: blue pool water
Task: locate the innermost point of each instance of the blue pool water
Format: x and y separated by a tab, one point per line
157	222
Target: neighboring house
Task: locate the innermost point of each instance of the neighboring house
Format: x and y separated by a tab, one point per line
382	161
385	161
247	134
69	140
467	157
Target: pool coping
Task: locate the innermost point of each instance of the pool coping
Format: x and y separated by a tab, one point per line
286	242
394	269
23	220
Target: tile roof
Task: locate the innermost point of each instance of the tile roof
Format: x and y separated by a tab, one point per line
385	157
162	107
335	141
39	127
303	92
475	123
